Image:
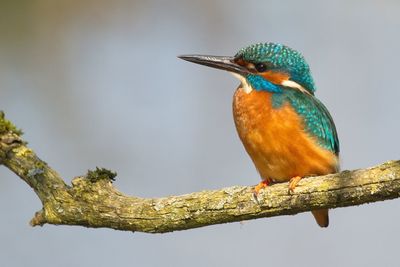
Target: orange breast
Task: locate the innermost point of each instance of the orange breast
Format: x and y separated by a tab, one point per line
276	140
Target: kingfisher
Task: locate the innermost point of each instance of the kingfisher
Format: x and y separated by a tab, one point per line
287	132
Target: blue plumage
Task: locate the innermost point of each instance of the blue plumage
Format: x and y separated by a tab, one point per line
259	83
280	58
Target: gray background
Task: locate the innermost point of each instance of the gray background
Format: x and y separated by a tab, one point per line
97	83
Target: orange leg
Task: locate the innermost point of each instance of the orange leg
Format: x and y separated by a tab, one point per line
263	184
293	183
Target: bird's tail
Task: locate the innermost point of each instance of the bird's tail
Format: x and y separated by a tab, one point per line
322	217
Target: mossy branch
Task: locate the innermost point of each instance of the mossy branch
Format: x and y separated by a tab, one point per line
92	201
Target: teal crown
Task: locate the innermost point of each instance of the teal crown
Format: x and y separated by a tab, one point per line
280	58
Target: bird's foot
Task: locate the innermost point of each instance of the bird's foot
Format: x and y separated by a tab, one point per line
263	184
293	183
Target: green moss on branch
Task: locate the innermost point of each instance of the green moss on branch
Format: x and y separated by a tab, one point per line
101	174
7	126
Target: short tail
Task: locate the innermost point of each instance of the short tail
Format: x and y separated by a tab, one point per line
322	217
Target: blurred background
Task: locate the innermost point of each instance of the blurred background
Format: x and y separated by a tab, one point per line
97	83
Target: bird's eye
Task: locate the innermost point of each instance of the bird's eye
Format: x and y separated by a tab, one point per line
260	67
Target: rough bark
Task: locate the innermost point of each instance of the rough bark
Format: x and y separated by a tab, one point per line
92	201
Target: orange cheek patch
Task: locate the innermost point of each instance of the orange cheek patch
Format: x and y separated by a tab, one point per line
275	77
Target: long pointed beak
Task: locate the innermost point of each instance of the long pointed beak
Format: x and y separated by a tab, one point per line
218	62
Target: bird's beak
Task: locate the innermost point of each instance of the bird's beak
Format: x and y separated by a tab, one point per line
218	62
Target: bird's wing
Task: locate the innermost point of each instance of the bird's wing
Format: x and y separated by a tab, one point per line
317	119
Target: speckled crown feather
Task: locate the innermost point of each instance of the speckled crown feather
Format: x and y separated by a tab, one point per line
279	57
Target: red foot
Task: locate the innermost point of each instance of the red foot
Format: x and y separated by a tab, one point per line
263	184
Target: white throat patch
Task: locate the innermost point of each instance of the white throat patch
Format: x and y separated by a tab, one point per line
245	85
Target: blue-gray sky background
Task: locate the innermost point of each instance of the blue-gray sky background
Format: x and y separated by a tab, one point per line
97	83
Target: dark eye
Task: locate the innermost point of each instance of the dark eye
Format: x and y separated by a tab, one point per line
260	67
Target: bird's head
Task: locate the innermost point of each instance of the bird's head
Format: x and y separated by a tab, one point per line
264	66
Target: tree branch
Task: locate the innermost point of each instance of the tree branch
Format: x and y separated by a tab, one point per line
92	201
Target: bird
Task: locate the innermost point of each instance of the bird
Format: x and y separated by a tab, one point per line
287	132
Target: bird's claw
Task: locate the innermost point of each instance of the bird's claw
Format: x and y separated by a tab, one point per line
263	184
293	183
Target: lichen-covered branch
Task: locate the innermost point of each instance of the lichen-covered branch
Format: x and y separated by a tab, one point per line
92	201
